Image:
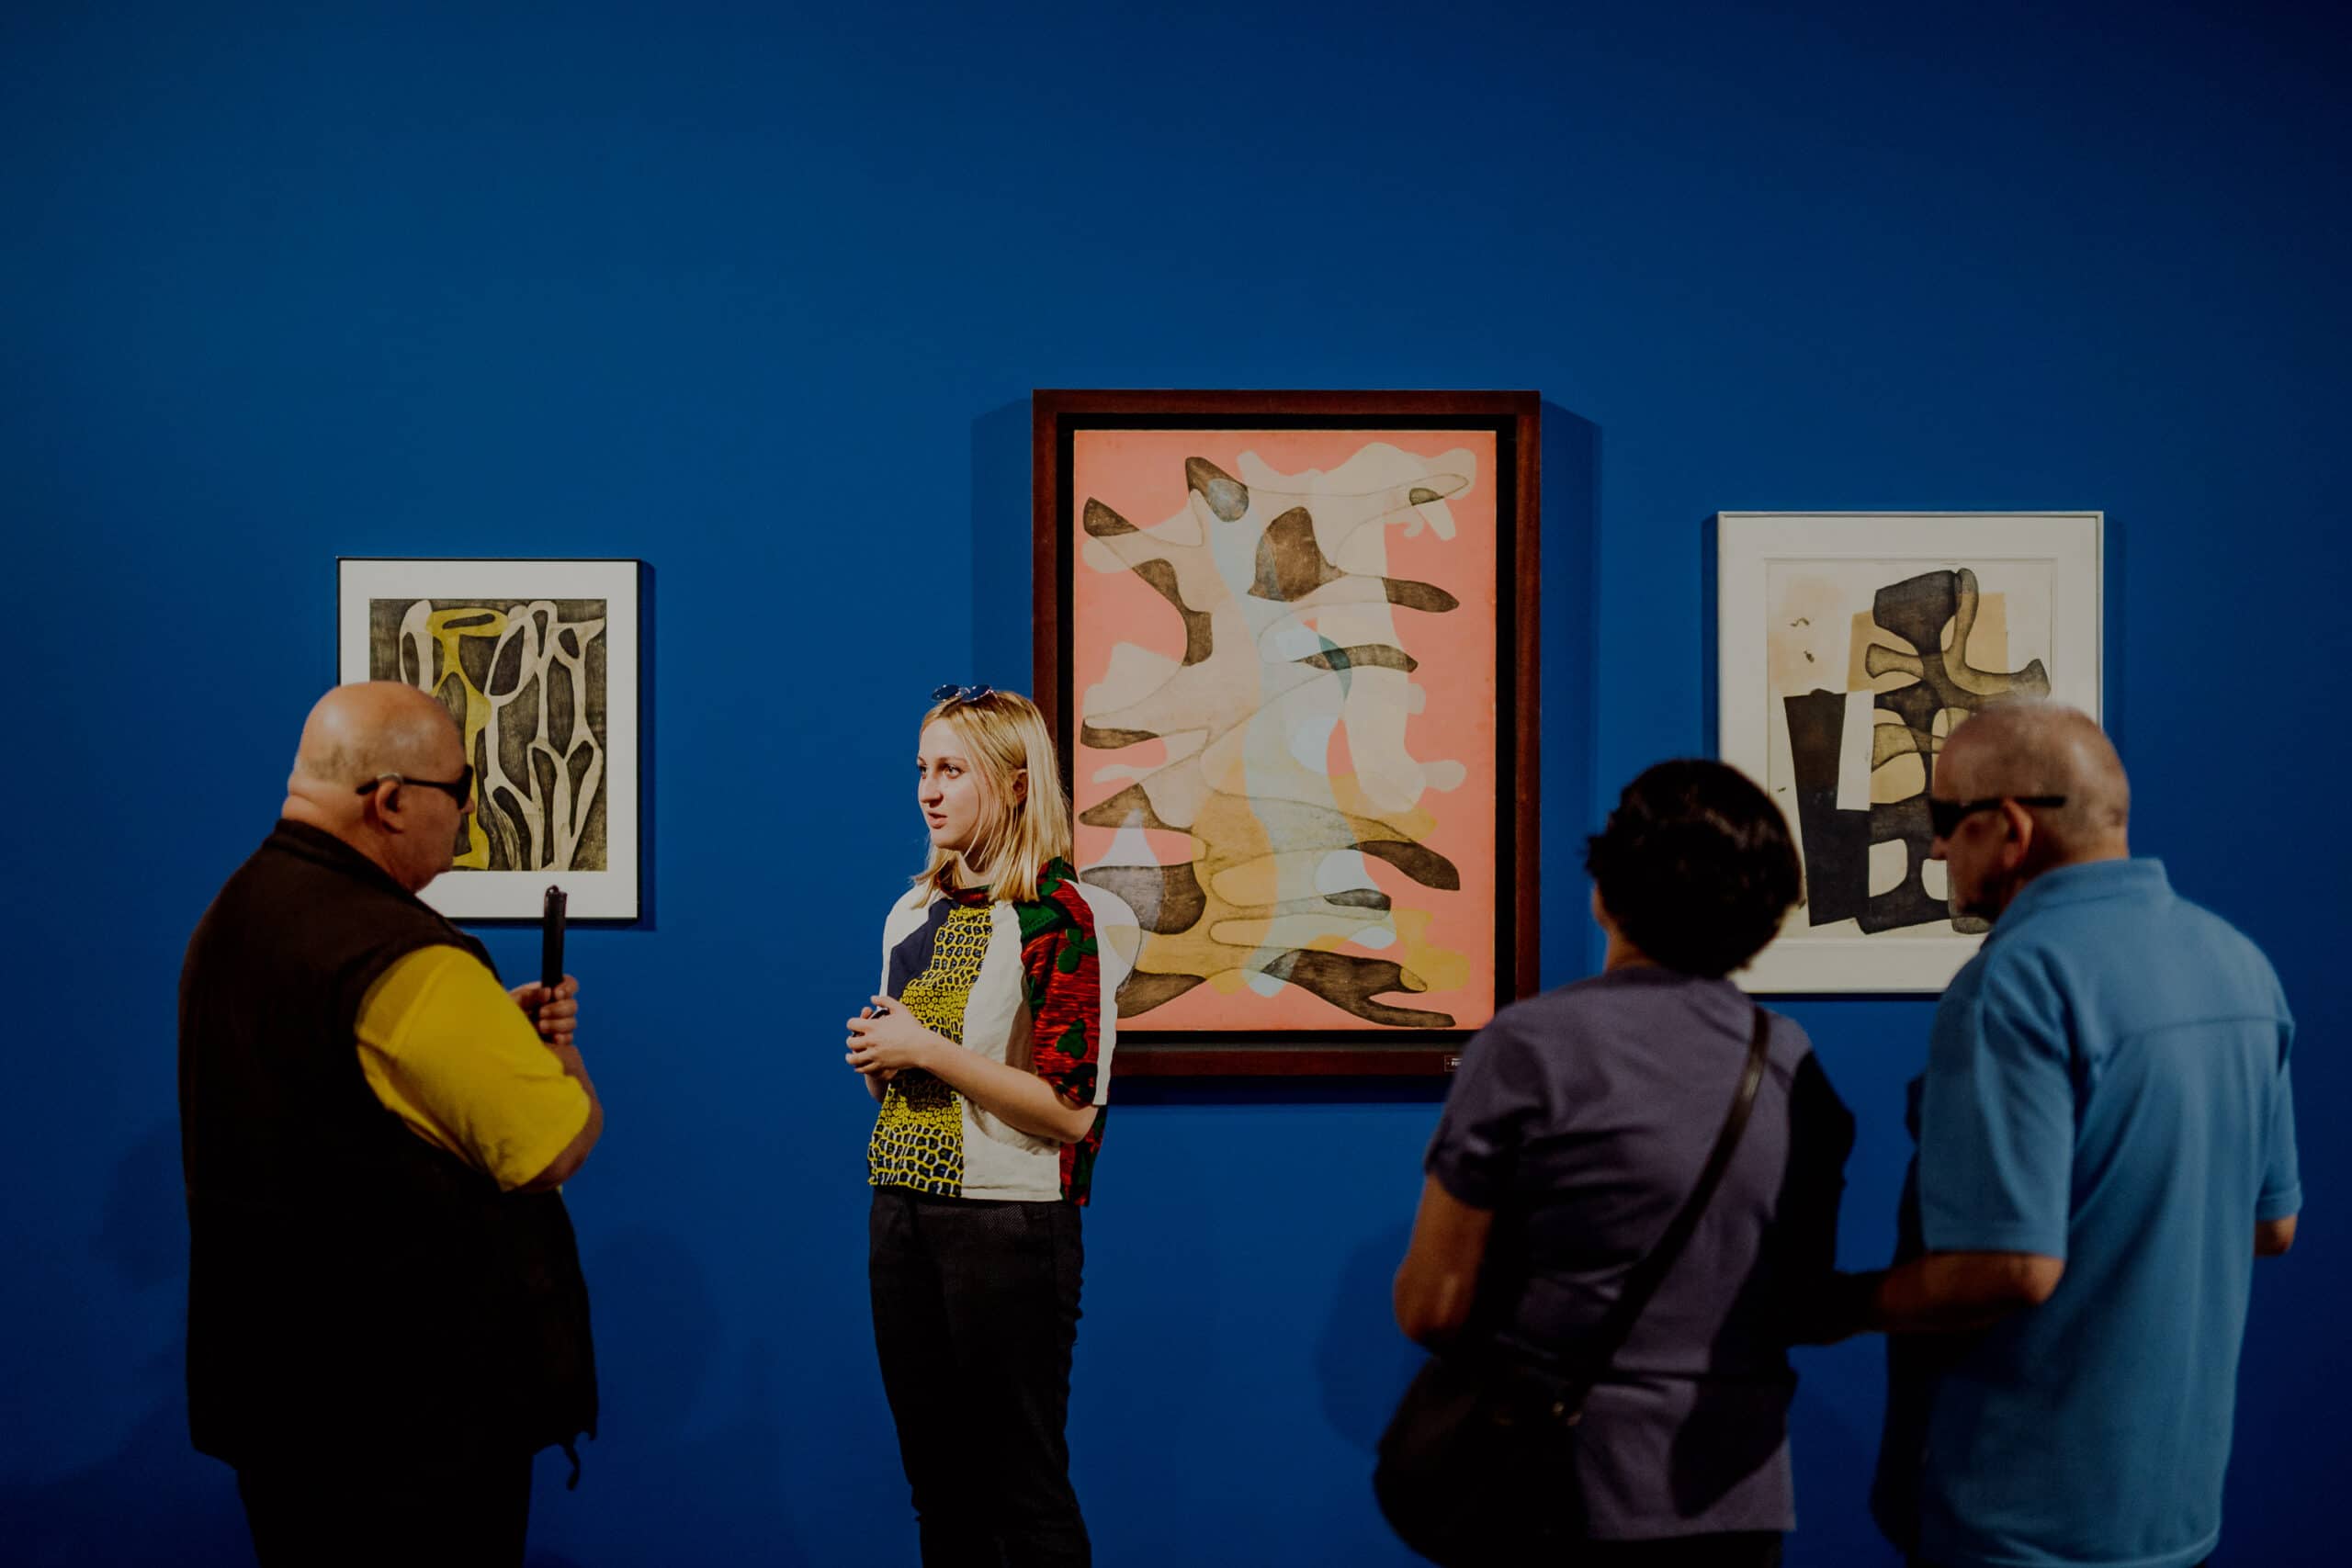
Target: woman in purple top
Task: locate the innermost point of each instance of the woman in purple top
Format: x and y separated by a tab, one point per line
1576	1128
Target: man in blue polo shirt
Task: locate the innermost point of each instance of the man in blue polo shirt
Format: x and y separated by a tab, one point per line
2105	1144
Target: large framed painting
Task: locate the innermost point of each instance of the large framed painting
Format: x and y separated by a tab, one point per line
1849	644
537	660
1287	644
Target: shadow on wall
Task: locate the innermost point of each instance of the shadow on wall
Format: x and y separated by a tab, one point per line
187	1510
1363	1360
1570	661
1002	532
677	1426
648	1291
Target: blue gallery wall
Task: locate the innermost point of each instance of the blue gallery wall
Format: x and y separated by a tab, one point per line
757	294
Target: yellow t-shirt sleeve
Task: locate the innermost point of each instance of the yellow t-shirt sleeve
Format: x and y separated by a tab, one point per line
451	1053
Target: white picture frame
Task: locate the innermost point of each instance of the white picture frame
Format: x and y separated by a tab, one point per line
564	673
1798	598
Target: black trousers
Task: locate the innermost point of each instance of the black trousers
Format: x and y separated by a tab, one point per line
359	1515
974	1312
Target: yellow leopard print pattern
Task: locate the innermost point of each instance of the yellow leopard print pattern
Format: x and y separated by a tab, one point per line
919	1137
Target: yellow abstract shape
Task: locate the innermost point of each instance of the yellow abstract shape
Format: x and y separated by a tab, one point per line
1900	779
1415	824
441	630
1443	968
1867	633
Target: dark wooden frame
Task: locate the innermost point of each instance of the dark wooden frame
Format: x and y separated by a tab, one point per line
1513	417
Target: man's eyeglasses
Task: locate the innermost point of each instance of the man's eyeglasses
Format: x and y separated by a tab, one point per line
459	789
1946	815
954	693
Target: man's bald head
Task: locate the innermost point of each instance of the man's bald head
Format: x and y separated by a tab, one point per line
362	732
359	732
2026	748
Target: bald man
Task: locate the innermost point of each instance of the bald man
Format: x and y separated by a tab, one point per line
386	1314
2105	1144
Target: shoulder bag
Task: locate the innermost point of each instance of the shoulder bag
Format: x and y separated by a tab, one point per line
1477	1465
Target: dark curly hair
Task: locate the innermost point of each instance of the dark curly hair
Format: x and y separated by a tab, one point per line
1695	866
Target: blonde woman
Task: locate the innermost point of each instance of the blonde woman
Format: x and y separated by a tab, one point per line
989	1051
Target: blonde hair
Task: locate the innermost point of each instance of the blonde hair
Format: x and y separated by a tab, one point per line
1006	737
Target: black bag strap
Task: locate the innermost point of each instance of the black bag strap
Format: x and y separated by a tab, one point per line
1608	1336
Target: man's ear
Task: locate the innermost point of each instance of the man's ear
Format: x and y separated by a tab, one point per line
381	806
2020	843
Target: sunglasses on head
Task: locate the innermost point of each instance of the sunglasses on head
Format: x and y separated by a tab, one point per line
1946	815
954	694
459	789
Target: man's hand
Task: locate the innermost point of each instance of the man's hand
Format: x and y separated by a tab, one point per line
558	1011
885	1040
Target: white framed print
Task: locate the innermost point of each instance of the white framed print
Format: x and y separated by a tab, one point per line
1847	645
537	661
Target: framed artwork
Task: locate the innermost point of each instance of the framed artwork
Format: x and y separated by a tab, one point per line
537	661
1849	644
1287	643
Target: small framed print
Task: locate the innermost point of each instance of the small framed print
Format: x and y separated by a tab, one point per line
1848	644
537	661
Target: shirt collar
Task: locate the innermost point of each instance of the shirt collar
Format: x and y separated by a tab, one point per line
2138	878
318	845
1055	869
1637	974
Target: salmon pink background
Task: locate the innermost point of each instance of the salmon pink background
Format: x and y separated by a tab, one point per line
1139	474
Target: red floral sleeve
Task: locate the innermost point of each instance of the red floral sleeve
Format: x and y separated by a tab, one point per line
1061	966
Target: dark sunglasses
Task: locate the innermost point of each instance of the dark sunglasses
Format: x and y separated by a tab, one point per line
459	789
1946	815
954	694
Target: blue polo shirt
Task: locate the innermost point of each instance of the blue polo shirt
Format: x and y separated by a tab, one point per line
2107	1084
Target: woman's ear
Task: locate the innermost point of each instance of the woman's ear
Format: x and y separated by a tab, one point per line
1019	787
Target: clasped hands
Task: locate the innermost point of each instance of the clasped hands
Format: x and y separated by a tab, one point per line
885	1040
558	1010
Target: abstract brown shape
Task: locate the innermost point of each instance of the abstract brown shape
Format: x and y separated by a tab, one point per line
1166	898
1350	982
1418	595
1889	741
1420	862
1291	565
1111	740
1228	497
1914	613
1130	806
1364	655
1198	641
1106	524
1142	990
1915	610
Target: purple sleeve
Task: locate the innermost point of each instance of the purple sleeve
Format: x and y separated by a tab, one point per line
1496	1097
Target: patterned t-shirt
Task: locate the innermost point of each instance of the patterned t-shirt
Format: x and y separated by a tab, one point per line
1021	983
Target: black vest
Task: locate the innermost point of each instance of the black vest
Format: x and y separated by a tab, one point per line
355	1293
